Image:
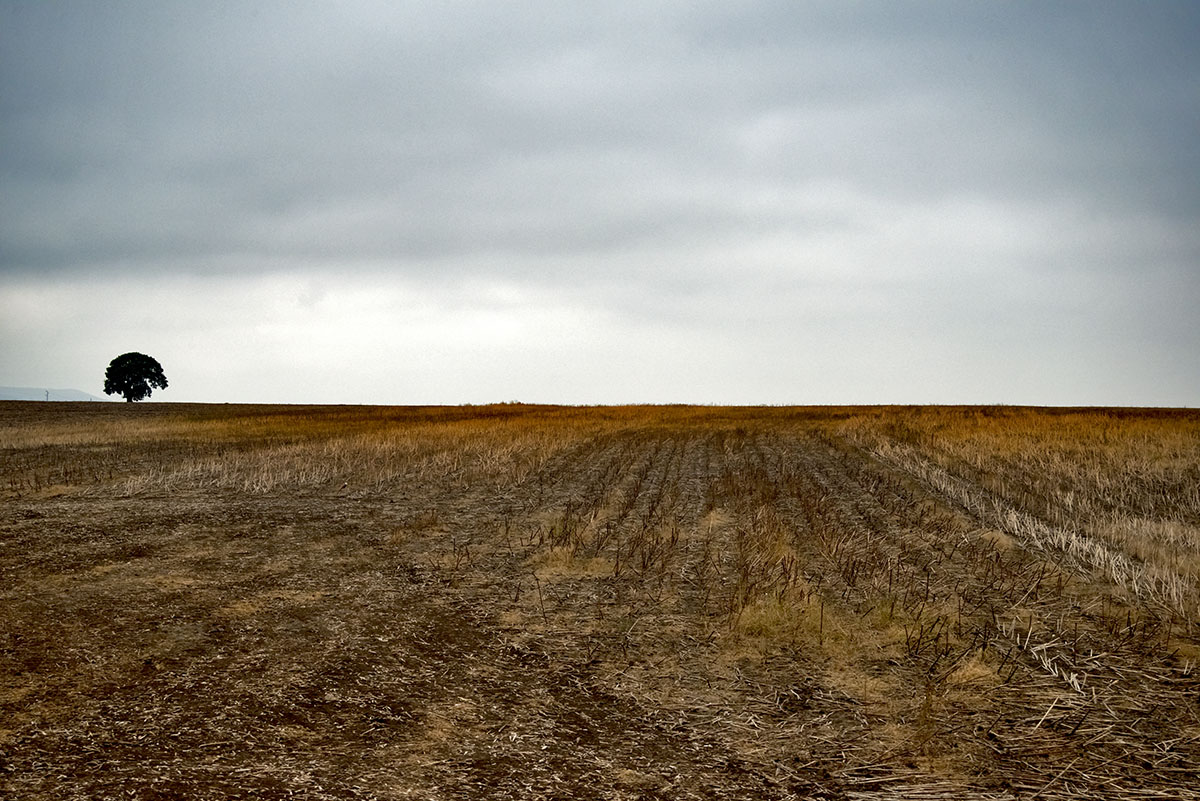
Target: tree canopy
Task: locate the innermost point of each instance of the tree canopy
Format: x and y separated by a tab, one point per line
133	375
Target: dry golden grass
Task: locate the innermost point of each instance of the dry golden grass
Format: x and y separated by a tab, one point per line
670	602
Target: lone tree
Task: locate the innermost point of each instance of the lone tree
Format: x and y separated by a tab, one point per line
132	375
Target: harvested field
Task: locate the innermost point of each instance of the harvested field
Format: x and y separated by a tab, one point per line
599	603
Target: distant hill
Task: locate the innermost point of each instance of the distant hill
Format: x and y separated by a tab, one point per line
43	393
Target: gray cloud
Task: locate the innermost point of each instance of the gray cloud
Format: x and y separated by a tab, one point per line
925	174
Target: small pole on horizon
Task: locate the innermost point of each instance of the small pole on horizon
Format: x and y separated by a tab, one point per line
47	396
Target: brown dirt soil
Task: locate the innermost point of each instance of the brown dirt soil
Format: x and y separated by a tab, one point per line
632	603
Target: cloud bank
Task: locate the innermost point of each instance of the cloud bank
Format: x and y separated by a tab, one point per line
768	202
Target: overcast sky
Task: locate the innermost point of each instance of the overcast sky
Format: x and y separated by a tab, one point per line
610	202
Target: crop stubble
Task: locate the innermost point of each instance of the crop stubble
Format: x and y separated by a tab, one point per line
636	602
